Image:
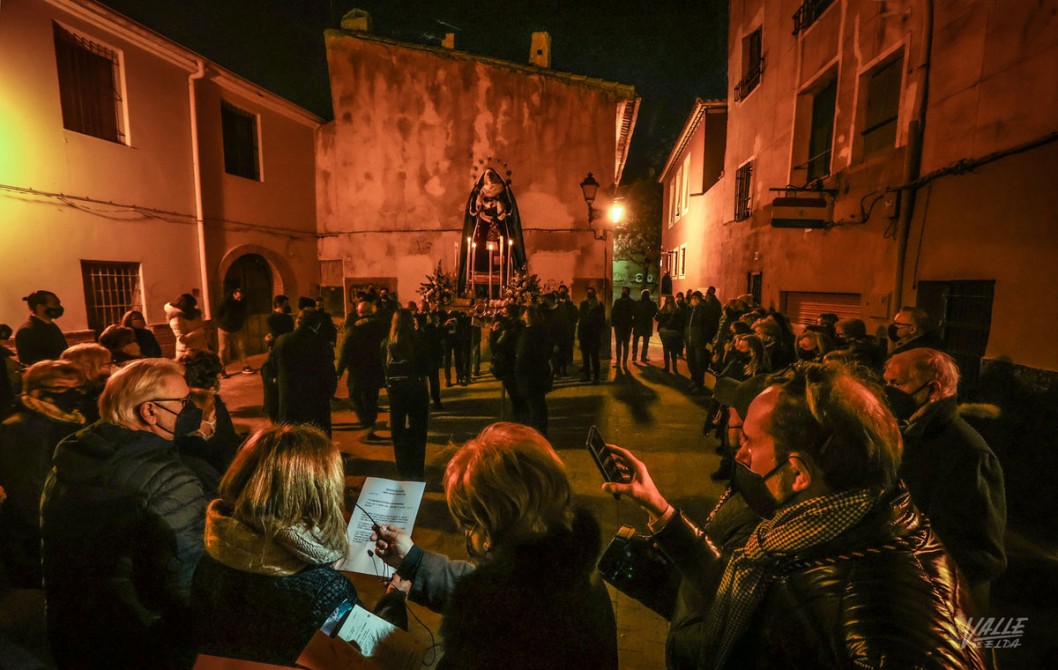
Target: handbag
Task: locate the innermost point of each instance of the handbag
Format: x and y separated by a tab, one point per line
638	569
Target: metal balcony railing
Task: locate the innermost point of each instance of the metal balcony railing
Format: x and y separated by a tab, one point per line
808	13
750	81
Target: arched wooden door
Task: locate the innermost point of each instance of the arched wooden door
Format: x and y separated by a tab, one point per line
253	275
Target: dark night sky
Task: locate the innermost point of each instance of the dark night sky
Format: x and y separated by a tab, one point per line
670	50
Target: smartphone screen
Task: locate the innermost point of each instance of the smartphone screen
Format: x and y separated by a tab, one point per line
603	457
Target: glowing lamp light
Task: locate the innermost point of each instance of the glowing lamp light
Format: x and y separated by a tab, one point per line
617	212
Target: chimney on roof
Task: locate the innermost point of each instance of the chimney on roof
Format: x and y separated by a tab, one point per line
357	20
449	41
540	50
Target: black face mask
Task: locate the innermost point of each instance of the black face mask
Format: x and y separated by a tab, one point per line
286	309
840	341
54	312
188	420
901	403
894	336
754	489
805	354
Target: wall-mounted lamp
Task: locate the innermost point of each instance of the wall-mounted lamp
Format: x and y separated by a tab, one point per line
590	188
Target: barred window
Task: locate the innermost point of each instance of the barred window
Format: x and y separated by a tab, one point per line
742	191
110	290
89	91
241	155
752	63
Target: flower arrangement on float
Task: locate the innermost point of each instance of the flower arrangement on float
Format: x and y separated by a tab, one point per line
523	288
438	288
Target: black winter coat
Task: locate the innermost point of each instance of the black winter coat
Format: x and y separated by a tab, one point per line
956	481
27	442
260	617
305	378
644	317
38	341
591	321
122	522
535	605
532	366
149	347
361	351
837	605
623	314
231	315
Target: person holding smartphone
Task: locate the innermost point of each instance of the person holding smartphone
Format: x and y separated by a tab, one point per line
842	570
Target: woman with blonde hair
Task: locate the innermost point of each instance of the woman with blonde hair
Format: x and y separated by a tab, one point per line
267	581
531	598
96	363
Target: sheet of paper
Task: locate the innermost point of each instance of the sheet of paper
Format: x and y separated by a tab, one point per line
382	501
330	653
382	642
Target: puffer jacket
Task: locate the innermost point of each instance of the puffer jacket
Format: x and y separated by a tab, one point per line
882	594
190	334
121	521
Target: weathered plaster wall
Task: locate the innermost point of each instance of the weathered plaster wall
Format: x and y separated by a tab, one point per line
44	238
769	127
413	130
992	89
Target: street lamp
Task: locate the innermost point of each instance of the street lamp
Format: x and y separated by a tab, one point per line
617	212
589	187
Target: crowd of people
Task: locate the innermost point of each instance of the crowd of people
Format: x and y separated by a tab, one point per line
863	522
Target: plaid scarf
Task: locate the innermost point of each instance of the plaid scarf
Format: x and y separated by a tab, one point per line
746	578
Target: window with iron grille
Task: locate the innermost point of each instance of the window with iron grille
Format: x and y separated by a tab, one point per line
89	91
752	64
883	107
963	312
808	13
742	192
241	155
110	290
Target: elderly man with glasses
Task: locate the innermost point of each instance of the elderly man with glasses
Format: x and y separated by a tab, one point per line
122	527
912	328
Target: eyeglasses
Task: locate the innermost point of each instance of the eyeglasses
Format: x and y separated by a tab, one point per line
902	325
183	401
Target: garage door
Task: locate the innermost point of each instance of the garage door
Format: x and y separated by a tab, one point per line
803	308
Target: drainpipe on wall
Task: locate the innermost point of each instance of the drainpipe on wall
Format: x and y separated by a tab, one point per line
913	159
200	224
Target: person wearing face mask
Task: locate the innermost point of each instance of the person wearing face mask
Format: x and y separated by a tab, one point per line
812	345
912	328
149	347
39	338
851	336
122	524
954	477
210	449
122	343
532	597
842	570
50	410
